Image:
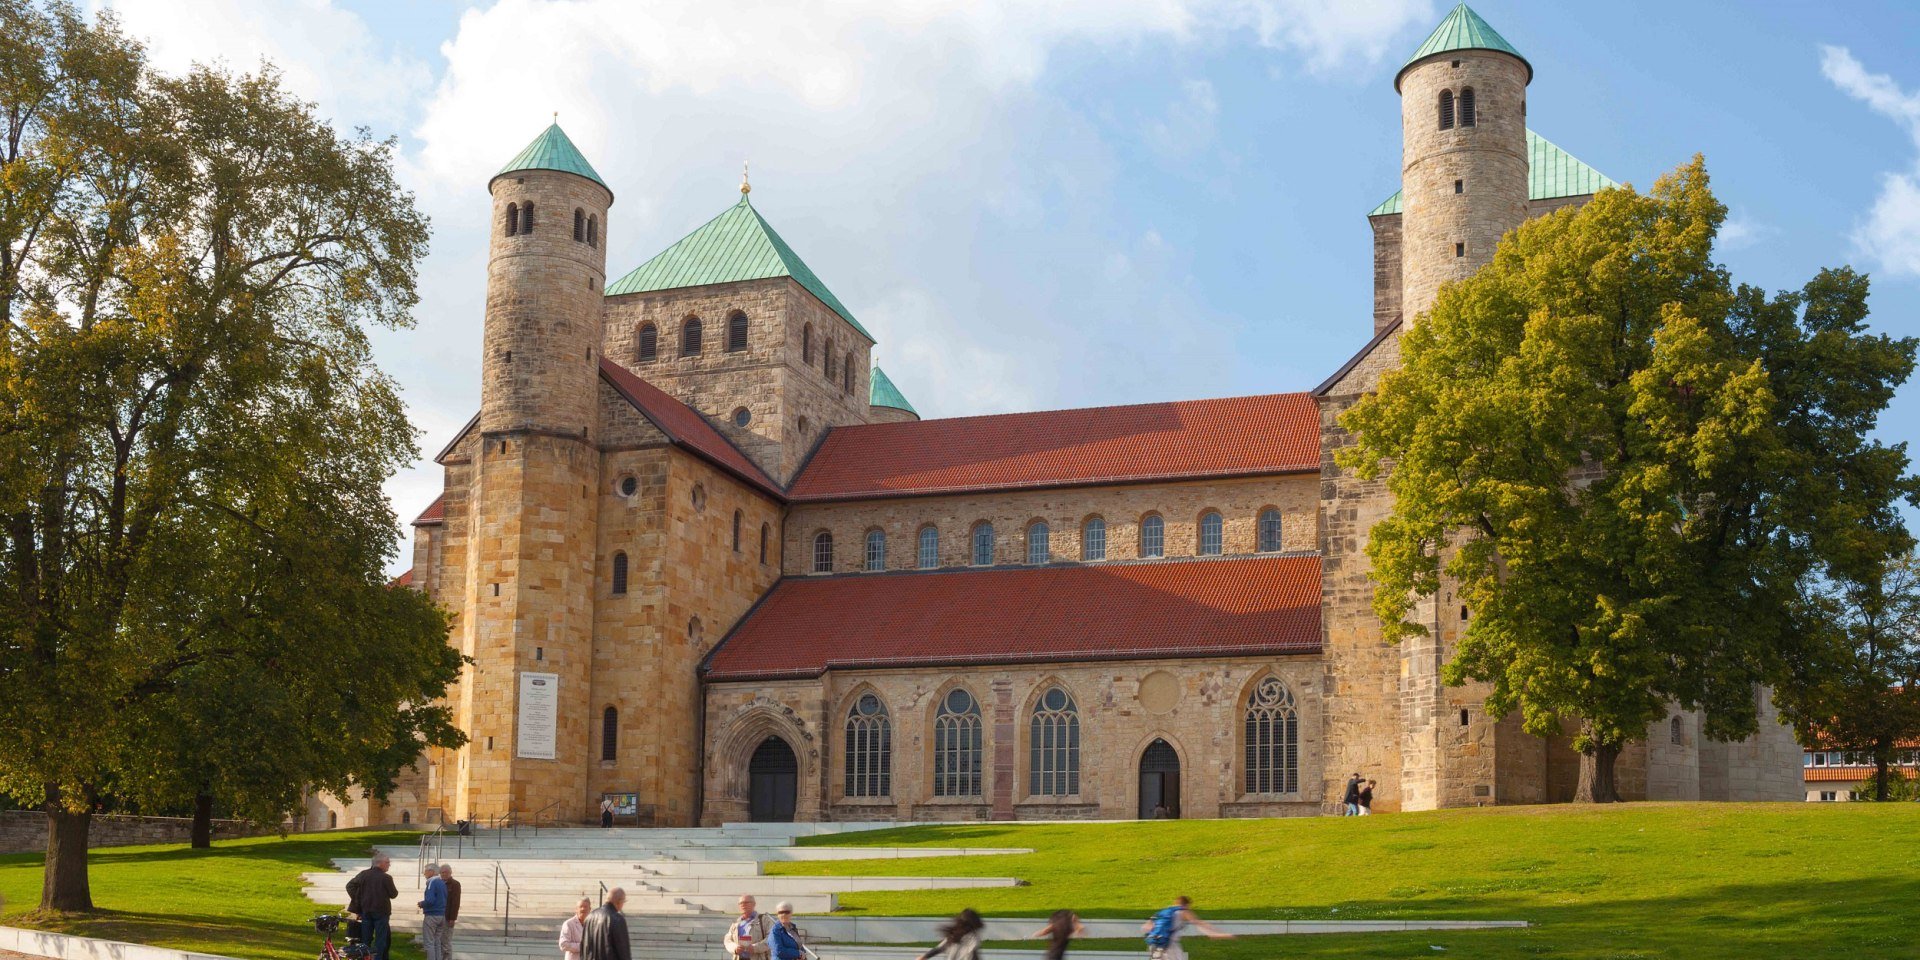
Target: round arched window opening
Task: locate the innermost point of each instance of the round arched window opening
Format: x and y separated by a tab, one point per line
700	497
742	416
629	485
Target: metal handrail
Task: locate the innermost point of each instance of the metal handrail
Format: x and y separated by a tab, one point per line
420	865
603	894
535	818
506	919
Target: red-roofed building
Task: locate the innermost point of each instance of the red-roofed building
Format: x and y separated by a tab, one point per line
701	551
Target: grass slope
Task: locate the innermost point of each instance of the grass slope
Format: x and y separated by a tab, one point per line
1708	881
242	898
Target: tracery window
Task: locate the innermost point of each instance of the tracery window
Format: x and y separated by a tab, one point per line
1272	739
869	749
1053	746
1270	530
1153	536
956	746
823	552
929	548
1093	539
1211	528
1039	547
876	551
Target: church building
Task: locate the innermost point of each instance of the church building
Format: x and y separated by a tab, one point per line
707	560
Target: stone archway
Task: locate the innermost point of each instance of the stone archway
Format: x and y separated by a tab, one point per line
773	782
1159	782
731	765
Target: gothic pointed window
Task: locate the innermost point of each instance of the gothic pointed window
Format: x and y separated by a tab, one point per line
513	219
736	332
983	545
929	548
1466	106
649	343
1053	746
609	734
579	225
619	573
823	552
869	749
1039	546
1446	109
876	551
956	746
1270	530
1272	735
1211	533
1153	536
1093	539
690	337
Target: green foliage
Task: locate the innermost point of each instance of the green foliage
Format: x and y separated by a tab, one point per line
1630	468
193	437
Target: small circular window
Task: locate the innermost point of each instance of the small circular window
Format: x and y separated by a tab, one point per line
629	486
869	705
699	496
742	416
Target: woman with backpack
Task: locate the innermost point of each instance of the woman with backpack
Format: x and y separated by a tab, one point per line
1167	926
1063	927
959	938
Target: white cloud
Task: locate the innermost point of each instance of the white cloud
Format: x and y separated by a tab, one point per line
1890	234
1741	231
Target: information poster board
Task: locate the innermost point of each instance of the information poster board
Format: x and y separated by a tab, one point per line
624	804
539	716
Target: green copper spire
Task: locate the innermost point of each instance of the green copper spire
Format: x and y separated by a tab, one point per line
885	394
1462	30
552	150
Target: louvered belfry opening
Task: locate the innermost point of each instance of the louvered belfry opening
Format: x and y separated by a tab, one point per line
1446	109
1466	107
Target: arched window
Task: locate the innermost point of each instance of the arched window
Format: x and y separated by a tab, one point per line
690	337
620	573
1466	106
983	545
406	816
1270	530
1153	536
526	217
806	344
1093	539
929	548
766	532
593	229
956	746
1039	549
846	372
869	749
736	531
736	332
823	552
649	343
1678	731
609	733
1273	739
1053	746
1210	533
333	819
1446	109
513	219
579	225
876	551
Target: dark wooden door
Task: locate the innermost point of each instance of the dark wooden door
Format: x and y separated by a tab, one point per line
773	782
1159	780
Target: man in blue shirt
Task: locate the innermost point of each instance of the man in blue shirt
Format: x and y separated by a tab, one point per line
433	908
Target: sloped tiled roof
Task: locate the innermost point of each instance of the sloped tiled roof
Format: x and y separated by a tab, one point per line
1551	172
1242	606
436	512
403	580
882	393
1462	30
552	150
1852	774
737	245
685	426
1236	436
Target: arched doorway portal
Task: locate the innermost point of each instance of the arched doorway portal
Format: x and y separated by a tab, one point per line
773	782
1159	782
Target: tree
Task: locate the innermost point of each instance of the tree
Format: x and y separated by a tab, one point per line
1866	698
1630	468
192	439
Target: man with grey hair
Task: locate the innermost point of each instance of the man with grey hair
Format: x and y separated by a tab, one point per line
433	914
605	937
370	896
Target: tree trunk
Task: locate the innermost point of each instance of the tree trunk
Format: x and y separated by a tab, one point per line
202	835
64	886
1596	775
1879	777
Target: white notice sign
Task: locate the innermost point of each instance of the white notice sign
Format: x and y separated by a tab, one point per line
539	715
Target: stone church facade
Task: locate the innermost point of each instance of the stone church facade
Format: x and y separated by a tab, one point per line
707	560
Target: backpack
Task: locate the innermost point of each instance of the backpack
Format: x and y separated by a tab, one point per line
1160	935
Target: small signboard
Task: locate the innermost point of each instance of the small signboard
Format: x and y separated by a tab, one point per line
539	716
624	804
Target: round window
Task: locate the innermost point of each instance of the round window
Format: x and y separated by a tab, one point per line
742	416
869	705
1055	699
629	486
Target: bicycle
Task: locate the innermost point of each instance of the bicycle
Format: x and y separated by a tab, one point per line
328	924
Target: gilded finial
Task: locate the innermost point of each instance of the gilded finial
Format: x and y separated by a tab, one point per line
556	116
745	187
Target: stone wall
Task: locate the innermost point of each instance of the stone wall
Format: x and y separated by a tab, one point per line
1386	270
25	831
1195	706
1065	511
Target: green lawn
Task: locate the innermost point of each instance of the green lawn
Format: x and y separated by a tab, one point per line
242	898
1710	881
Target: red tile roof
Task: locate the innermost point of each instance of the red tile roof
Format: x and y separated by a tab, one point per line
1851	774
685	426
436	512
1237	436
403	580
1135	611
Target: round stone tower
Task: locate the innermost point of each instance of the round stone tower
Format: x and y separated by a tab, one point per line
1463	175
546	268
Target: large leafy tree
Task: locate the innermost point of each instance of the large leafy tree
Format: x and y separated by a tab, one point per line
1631	468
192	440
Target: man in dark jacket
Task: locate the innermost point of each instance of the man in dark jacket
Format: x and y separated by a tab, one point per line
605	937
370	894
1350	801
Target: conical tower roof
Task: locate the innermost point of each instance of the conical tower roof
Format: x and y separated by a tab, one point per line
1462	30
884	394
552	150
737	245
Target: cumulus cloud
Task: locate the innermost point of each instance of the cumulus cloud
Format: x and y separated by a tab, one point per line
1890	233
1741	231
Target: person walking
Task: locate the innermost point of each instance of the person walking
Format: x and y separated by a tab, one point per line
959	938
1351	799
1170	924
606	812
604	935
370	895
748	935
573	929
453	908
433	914
1062	927
785	941
1366	799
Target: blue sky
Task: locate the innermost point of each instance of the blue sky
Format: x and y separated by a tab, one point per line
1078	203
